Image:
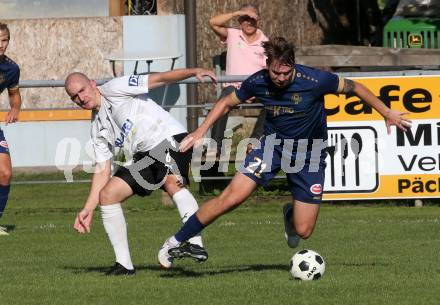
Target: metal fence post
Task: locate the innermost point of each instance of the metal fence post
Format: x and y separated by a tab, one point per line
191	60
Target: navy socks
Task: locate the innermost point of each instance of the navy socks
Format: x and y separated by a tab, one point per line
4	194
191	228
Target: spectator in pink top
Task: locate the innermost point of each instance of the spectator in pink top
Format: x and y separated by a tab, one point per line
245	55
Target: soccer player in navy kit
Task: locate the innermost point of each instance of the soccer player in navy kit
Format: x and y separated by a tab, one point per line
9	77
295	132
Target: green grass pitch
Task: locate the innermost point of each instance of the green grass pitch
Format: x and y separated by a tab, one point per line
375	254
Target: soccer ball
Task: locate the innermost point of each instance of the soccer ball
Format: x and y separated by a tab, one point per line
307	265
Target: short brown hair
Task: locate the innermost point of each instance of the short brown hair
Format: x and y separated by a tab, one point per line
250	5
4	27
278	48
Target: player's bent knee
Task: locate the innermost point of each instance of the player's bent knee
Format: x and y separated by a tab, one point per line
5	176
172	186
304	231
105	197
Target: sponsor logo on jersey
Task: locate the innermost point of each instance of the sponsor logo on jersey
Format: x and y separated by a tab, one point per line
125	130
133	80
316	189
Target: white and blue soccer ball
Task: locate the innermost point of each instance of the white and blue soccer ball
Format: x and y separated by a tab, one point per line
307	265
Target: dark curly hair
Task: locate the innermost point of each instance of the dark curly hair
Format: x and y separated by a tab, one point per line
278	48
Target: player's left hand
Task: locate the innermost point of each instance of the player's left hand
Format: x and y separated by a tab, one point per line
12	116
395	117
201	73
83	221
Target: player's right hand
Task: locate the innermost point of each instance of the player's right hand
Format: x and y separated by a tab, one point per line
12	116
83	221
194	138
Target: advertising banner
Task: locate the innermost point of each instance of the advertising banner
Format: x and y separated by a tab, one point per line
365	162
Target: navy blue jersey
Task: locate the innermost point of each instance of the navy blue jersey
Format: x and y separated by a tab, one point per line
9	74
296	111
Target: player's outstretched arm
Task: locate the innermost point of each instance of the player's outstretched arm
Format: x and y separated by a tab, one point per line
222	107
83	220
163	78
391	116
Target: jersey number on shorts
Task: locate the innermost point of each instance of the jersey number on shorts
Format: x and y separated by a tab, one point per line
256	167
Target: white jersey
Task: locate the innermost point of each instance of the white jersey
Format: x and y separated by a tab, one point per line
128	121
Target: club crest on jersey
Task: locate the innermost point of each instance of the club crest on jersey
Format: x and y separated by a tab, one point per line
125	130
296	98
133	80
316	189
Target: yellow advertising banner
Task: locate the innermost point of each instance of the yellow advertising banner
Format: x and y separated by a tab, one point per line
364	162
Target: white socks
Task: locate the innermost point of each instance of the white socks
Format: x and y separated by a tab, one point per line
187	205
116	228
172	241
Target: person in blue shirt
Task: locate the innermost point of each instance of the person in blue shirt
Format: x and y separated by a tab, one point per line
295	134
9	77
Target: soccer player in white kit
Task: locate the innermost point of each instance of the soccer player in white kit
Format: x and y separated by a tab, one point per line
129	128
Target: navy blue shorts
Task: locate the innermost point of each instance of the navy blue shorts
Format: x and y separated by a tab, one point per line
4	148
305	183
